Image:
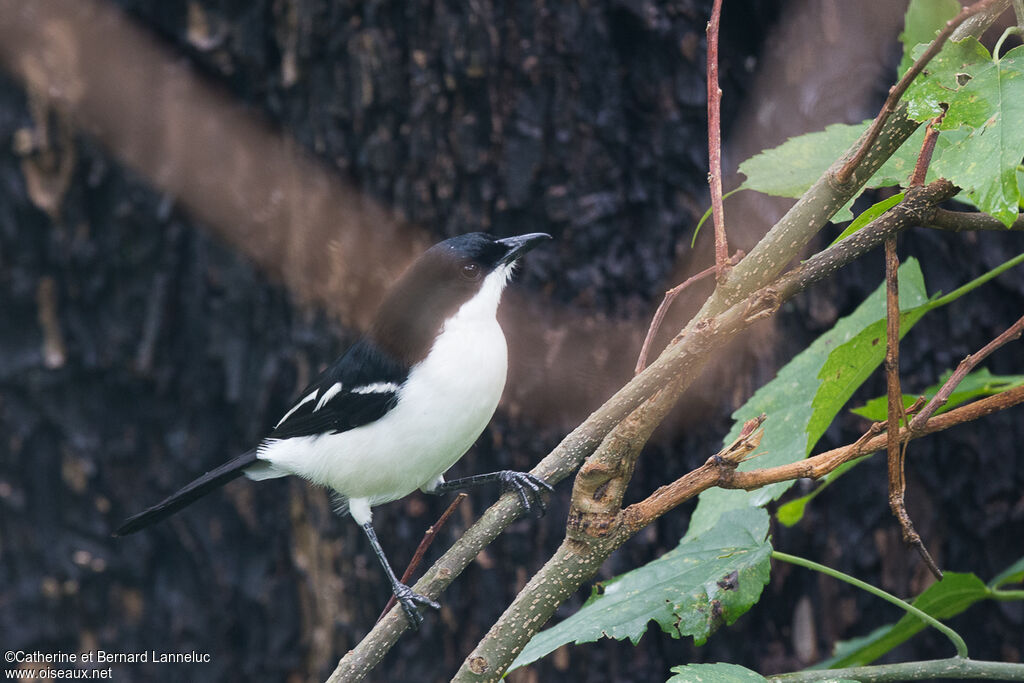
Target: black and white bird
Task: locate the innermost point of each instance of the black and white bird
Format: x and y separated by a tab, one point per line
403	404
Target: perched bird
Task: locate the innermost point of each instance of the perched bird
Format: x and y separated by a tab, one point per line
403	404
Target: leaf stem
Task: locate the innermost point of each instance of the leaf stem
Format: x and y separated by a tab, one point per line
954	667
954	637
1010	30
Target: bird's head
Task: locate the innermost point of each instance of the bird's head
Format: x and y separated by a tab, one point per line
462	275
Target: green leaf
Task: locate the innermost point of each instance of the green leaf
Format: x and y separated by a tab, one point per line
791	168
975	385
715	673
868	215
924	19
984	163
944	76
942	600
809	391
705	582
1020	184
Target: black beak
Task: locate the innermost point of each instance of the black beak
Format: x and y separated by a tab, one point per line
520	244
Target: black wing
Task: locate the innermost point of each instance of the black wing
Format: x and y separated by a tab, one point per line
360	387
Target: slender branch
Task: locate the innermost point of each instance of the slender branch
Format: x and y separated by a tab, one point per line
954	667
966	365
666	498
953	636
725	475
715	143
964	221
818	466
659	315
896	451
924	157
666	302
428	538
896	92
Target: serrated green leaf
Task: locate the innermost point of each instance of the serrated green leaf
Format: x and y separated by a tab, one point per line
705	582
714	673
942	600
791	168
984	163
975	385
943	78
923	20
797	416
868	215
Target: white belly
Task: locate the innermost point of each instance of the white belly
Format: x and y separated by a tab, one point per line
445	404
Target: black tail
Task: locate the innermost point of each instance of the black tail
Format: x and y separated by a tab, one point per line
188	495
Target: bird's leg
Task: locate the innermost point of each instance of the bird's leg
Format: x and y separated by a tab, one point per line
528	487
405	595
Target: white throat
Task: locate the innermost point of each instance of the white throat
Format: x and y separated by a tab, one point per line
483	307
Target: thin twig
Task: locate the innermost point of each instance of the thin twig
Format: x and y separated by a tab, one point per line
924	158
428	537
670	296
722	472
970	221
819	465
896	451
965	366
954	668
896	92
715	144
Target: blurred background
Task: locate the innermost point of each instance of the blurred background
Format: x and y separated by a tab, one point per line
201	203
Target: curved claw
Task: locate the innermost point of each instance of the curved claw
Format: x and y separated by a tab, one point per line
410	602
529	489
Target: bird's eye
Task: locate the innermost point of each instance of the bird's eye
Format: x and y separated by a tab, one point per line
471	271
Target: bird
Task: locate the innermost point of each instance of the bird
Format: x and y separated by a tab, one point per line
402	405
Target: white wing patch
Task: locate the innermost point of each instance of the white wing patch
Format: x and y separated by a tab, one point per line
328	395
377	388
306	399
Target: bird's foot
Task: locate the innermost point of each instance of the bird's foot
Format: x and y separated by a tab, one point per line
410	602
529	489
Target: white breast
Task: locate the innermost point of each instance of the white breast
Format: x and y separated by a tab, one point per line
445	404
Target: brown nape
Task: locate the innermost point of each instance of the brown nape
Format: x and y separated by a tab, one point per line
411	316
